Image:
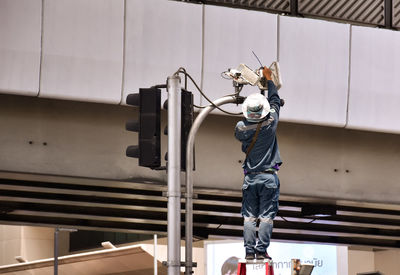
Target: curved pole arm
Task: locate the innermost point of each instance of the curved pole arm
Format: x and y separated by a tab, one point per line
189	176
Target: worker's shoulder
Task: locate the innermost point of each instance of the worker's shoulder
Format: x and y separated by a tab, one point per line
240	126
245	125
240	122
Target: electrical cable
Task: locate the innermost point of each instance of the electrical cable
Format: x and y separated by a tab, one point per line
257	59
183	71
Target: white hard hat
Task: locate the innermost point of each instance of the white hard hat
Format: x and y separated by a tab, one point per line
255	107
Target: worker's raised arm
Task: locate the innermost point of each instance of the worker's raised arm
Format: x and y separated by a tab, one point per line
273	96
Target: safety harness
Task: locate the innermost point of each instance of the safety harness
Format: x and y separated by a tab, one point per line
254	139
268	171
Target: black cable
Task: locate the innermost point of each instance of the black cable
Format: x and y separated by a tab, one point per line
183	71
199	107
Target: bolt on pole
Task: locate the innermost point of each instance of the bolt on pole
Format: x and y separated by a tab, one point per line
174	168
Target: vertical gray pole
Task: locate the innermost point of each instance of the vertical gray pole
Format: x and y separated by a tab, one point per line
56	251
294	7
174	168
155	255
189	178
388	11
56	231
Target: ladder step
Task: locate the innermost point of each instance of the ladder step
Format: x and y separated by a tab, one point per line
269	266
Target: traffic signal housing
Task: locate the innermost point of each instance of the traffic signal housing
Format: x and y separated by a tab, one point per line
148	150
186	124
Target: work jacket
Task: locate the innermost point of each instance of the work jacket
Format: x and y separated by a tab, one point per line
265	153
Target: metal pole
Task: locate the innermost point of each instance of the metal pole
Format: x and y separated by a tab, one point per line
56	251
294	7
155	255
189	179
56	230
174	167
388	10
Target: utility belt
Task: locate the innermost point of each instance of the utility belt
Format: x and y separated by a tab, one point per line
268	171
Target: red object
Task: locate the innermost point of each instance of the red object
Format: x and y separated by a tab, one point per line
241	269
269	268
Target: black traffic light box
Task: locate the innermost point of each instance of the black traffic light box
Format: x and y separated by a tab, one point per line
148	151
186	123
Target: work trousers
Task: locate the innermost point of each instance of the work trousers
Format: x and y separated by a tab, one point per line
260	202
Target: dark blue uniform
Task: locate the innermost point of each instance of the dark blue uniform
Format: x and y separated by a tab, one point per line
261	182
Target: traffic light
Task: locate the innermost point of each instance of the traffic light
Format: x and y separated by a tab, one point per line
186	123
148	150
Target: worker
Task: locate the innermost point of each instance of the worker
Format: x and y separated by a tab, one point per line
257	132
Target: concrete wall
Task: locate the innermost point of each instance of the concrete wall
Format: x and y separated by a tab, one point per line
100	51
89	140
314	58
82	50
31	243
361	261
20	47
10	243
37	243
387	261
368	260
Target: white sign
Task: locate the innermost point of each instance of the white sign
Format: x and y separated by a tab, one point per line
222	258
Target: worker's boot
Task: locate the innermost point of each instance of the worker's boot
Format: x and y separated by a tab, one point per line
263	256
249	256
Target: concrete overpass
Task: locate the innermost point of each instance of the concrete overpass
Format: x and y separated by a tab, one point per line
67	67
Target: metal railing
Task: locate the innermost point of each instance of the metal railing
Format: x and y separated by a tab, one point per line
379	13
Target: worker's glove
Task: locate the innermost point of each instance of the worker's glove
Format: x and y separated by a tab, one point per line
267	73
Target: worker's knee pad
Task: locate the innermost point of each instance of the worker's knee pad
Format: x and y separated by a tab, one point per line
267	220
250	219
